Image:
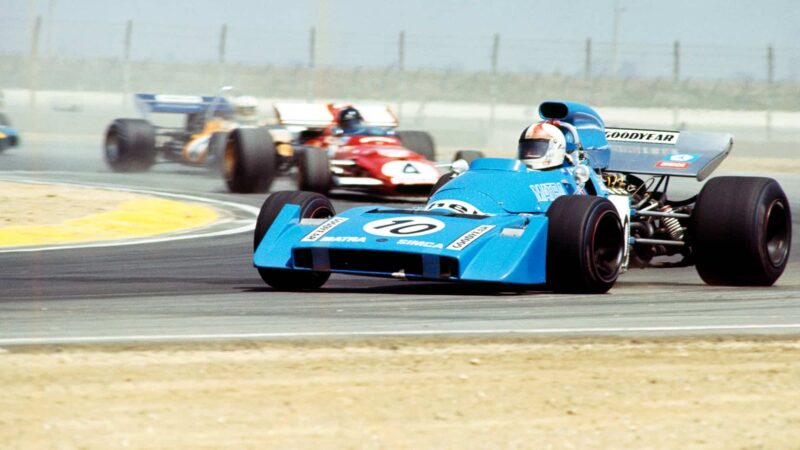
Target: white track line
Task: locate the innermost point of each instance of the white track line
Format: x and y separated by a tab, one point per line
242	229
391	333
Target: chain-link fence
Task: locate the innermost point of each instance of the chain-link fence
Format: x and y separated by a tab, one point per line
305	63
401	68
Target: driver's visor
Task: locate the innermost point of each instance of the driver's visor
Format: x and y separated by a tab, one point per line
533	148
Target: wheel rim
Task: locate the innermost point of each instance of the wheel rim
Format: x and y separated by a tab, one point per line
319	212
229	161
777	233
606	251
112	147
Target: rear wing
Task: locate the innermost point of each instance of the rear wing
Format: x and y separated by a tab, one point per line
180	104
320	115
661	152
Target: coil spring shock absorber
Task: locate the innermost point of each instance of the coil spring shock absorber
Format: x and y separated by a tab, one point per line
672	224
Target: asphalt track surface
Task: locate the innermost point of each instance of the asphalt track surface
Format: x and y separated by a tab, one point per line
207	289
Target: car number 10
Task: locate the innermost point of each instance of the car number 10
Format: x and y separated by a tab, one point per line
404	226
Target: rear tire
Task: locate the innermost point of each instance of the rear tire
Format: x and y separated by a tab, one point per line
250	160
314	171
468	155
419	142
312	206
741	231
584	245
130	145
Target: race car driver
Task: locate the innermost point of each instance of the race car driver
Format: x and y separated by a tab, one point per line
245	109
350	121
542	146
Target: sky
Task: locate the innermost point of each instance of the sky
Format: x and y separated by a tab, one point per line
718	38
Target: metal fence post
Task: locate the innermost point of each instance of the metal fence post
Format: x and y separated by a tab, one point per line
126	63
33	69
770	81
493	83
401	63
587	62
223	42
676	75
676	62
312	56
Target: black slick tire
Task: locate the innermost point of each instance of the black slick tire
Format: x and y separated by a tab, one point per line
130	145
740	231
585	245
312	206
250	160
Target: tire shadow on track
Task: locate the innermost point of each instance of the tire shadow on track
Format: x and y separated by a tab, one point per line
484	290
418	288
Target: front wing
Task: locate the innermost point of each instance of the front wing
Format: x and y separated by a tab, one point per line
382	242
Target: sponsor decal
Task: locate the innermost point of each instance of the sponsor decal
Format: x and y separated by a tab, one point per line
404	226
642	136
547	192
672	164
454	205
640	150
469	237
349	239
323	229
682	157
425	244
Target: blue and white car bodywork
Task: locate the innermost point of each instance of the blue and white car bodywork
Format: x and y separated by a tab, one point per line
495	234
573	228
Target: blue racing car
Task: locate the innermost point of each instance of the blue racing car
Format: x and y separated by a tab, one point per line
580	204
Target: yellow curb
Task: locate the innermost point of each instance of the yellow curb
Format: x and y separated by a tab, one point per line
132	219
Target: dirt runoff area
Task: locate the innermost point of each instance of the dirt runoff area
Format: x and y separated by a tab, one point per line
46	204
708	393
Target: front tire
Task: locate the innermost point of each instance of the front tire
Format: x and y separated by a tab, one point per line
419	142
585	245
312	206
741	231
250	160
130	145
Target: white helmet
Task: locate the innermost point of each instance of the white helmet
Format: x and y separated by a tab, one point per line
245	108
542	145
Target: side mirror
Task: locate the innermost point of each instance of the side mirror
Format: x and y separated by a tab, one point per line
337	131
582	174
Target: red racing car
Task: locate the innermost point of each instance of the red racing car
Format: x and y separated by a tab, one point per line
334	147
